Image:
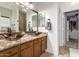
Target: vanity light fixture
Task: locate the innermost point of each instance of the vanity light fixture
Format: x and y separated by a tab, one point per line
25	4
31	5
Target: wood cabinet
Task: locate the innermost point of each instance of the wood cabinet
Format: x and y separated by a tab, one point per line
40	45
44	44
27	49
37	47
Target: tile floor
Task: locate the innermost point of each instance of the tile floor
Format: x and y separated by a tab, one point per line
47	54
72	44
64	52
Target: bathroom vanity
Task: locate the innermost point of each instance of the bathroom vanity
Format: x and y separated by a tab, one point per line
26	46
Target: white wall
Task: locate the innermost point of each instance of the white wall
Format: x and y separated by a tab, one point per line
53	35
52	13
65	7
29	15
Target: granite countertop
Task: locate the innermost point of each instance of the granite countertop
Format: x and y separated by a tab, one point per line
5	44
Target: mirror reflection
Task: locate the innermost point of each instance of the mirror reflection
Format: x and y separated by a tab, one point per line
20	19
41	20
31	20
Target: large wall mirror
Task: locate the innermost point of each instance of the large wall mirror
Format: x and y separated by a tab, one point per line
18	18
38	22
31	21
41	20
36	19
26	21
5	16
8	18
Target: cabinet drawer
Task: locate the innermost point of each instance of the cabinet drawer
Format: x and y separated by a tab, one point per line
26	45
37	41
10	52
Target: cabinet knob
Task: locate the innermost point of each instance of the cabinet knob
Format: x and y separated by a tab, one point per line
42	39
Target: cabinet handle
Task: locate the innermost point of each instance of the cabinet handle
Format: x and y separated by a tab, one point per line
42	39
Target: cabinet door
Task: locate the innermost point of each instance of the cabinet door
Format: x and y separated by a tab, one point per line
37	49
44	44
27	52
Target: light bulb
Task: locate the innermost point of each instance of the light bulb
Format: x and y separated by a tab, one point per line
31	6
22	5
27	8
17	3
26	3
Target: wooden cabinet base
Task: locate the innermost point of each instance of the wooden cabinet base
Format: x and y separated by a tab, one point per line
28	49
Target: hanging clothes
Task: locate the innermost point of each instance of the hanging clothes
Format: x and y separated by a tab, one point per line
73	22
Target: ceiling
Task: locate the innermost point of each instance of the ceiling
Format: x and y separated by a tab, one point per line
40	6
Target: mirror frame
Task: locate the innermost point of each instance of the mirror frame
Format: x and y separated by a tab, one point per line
37	18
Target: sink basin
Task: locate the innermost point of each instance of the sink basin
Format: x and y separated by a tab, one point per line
38	33
35	33
3	43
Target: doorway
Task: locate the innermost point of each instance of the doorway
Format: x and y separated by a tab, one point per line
72	20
